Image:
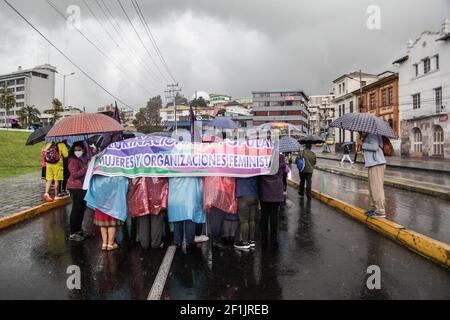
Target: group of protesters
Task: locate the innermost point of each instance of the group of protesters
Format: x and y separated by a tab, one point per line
226	210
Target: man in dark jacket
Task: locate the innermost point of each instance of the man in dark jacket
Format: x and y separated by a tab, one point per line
271	195
306	174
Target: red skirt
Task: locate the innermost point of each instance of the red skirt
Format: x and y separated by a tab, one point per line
103	220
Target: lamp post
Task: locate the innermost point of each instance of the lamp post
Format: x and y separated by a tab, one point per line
64	85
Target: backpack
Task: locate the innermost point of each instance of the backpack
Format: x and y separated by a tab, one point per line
52	154
300	162
388	149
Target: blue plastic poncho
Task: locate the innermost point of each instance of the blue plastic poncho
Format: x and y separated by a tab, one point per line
109	195
186	200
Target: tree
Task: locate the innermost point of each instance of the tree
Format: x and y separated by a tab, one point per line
7	99
221	113
199	103
57	107
28	115
148	119
180	100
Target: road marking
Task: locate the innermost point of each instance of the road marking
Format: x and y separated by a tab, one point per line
161	277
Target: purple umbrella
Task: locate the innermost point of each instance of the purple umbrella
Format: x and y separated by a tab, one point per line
224	123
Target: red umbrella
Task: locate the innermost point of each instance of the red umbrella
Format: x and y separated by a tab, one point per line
84	124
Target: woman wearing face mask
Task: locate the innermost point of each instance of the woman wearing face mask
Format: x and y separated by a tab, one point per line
77	168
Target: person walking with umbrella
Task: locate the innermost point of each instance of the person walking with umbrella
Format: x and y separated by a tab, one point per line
375	162
308	157
346	156
371	130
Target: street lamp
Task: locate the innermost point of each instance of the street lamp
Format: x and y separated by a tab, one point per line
64	86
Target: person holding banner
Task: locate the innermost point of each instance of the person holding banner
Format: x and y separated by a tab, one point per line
271	196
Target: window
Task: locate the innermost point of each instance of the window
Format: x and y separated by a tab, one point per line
340	90
416	101
351	106
10	113
372	101
416	70
363	83
436	59
11	82
384	97
20	89
417	140
2	114
438	95
391	96
20	81
20	96
426	65
20	104
343	87
438	141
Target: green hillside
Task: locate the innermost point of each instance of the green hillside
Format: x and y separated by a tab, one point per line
16	158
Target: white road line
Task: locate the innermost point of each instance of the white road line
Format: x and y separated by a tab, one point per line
161	277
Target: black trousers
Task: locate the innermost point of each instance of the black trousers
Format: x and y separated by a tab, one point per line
305	178
269	217
78	208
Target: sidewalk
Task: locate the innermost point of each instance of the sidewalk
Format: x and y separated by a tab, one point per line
422	213
20	193
425	164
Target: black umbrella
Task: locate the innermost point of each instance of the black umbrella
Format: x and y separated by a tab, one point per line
310	139
347	143
38	136
364	122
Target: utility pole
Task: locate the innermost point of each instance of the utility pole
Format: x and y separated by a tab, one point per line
172	92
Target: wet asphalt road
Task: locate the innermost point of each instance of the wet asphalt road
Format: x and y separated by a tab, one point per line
419	212
322	255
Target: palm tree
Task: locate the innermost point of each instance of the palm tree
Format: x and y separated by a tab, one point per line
7	100
29	114
57	107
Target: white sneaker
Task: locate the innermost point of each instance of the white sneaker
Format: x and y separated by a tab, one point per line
201	238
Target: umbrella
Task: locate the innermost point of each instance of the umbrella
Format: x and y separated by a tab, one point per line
85	124
310	139
224	123
38	135
363	122
347	143
279	125
288	144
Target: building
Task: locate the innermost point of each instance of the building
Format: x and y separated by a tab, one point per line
290	106
239	113
215	99
168	114
32	87
380	98
321	109
345	101
424	95
47	118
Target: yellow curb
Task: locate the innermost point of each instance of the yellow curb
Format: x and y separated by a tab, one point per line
435	250
30	213
404	184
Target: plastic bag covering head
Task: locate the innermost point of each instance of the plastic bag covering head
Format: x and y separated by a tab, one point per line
109	195
220	192
147	196
186	200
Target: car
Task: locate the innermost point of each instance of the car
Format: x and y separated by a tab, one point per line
319	145
330	141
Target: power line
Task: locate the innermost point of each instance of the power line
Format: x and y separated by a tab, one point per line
121	50
65	56
140	39
95	46
150	35
119	32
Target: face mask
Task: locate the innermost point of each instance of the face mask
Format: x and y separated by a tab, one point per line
78	154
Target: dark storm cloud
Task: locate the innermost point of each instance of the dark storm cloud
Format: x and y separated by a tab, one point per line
228	46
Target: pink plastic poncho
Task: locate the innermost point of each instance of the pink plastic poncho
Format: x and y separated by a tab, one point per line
220	192
147	196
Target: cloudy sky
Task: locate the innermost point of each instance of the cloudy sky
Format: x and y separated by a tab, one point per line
218	46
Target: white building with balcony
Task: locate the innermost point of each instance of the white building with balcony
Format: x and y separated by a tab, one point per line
33	87
345	101
424	95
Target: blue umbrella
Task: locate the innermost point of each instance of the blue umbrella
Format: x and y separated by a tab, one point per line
224	123
288	144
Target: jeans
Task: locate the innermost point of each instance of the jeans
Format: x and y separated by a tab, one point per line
269	217
78	208
305	177
247	207
180	227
